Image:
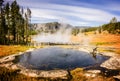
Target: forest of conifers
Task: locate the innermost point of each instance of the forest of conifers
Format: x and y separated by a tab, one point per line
113	27
14	23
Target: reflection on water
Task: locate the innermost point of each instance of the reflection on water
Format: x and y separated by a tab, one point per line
58	58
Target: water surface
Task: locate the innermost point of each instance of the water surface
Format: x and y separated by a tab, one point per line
58	58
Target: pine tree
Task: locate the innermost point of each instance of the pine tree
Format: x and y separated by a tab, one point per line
1	2
26	28
14	26
1	16
7	17
113	20
4	28
29	21
15	19
22	26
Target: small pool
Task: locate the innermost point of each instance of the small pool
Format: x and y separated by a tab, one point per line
58	58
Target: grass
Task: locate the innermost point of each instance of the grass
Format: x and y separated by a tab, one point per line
78	75
104	40
104	43
12	49
105	50
107	40
118	51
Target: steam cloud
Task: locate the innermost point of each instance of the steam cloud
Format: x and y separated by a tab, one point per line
61	36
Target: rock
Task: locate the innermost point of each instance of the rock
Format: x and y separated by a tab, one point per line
7	65
85	50
111	54
52	74
117	77
112	63
92	73
30	50
7	59
14	67
28	73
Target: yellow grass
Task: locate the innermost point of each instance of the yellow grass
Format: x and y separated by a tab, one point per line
12	49
78	74
107	40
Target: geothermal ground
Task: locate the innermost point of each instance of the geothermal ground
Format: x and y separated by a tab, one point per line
86	43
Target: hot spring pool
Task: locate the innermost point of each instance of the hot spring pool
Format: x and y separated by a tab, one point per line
57	58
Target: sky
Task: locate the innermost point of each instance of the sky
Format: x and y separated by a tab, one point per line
74	12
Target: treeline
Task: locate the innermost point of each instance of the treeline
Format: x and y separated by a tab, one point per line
14	23
75	31
113	27
90	29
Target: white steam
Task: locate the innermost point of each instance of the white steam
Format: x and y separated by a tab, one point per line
61	36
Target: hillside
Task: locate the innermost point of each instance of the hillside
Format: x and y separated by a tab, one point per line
50	27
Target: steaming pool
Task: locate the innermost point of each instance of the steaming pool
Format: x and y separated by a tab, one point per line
52	58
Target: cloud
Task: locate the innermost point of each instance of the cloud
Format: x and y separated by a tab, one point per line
73	12
67	13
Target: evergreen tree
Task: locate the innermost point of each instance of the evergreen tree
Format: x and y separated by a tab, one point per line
22	33
29	22
15	20
7	17
1	2
26	27
113	20
4	28
113	27
14	26
1	13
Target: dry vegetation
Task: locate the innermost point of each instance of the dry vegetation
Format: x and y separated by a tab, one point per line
79	75
11	75
107	40
8	50
101	40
